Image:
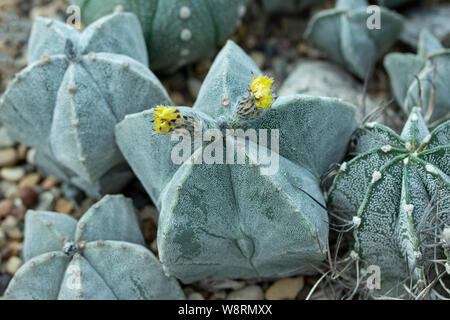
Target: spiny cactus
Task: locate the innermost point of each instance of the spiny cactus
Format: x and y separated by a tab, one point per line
99	258
392	192
422	79
289	5
177	32
67	102
344	35
225	220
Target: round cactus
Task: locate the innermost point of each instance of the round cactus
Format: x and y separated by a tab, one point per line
101	257
225	219
67	102
392	192
344	35
177	32
422	79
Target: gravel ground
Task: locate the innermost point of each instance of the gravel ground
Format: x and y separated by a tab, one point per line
274	42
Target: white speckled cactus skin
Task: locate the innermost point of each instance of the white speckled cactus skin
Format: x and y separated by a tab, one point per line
101	257
426	74
287	6
77	86
343	34
388	188
177	32
228	221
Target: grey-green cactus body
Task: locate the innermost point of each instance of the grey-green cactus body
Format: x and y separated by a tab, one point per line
393	191
177	32
101	257
422	79
226	220
344	34
76	88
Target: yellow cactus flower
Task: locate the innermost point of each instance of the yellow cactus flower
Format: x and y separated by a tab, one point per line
261	91
166	119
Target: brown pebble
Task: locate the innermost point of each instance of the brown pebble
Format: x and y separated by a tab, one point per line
19	213
64	206
8	157
28	196
6	208
22	152
30	180
49	183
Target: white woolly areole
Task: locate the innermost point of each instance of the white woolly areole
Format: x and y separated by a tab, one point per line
186	35
447	267
417	255
415	154
185	12
354	255
343	167
408	146
376	176
409	208
405	161
446	235
371	125
427	139
431	169
356	221
414	117
386	148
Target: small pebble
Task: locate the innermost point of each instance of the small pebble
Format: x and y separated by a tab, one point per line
15	234
9	223
8	157
30	180
31	155
6	208
285	289
28	196
2	239
259	58
13	264
64	206
195	296
248	293
149	212
12	174
219	295
22	152
8	189
49	183
227	284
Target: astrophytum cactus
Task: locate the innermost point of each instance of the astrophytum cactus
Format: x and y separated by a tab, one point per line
102	257
289	5
423	79
77	86
344	34
177	32
231	219
395	193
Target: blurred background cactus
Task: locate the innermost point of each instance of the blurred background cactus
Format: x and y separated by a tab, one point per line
99	258
78	87
422	79
177	32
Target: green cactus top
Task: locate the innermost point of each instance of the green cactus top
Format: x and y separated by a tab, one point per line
177	32
388	191
225	219
101	257
78	86
422	79
343	33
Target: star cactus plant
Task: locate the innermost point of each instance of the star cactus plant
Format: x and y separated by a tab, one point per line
177	32
100	257
343	33
392	192
422	79
231	219
77	86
